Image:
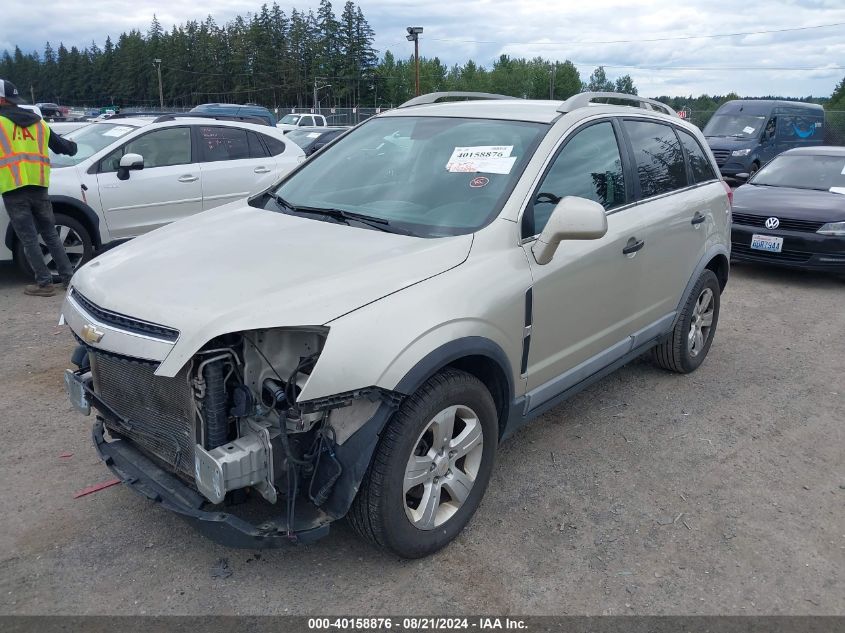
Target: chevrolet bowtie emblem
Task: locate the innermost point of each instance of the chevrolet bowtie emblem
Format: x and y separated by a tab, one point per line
91	335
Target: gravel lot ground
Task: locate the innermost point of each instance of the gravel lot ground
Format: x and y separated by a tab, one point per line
650	493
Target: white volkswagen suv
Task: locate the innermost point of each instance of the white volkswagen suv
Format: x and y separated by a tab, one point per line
357	339
134	174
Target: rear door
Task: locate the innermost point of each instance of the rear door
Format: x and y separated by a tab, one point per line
167	189
235	163
678	206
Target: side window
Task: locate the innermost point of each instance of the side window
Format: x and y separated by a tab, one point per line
702	170
771	127
797	129
275	146
658	155
589	166
307	121
319	121
256	149
222	143
162	148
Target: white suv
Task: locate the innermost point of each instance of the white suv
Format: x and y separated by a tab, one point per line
133	174
358	339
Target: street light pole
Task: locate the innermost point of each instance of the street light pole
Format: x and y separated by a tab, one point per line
157	63
414	36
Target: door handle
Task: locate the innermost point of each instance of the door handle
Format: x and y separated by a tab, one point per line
188	178
262	170
633	246
697	219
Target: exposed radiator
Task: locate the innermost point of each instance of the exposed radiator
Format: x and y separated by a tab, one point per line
159	410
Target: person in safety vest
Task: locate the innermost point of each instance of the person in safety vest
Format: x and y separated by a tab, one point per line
25	141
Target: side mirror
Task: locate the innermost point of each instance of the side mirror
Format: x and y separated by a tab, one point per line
572	219
129	162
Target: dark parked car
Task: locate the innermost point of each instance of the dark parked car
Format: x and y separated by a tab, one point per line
233	109
745	134
792	211
51	111
311	139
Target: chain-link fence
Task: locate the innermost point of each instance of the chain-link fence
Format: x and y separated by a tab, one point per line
335	116
834	125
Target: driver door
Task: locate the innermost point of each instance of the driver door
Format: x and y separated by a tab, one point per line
583	299
168	188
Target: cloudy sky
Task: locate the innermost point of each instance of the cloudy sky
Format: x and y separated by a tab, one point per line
789	63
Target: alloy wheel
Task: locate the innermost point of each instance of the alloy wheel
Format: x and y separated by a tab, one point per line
443	467
73	244
701	322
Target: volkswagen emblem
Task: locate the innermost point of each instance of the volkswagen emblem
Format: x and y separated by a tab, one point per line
772	223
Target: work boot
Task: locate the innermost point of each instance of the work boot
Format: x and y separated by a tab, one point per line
40	291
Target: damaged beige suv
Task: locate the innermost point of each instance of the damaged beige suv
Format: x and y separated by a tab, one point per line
357	339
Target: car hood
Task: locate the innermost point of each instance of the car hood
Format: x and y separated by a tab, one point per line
238	268
801	204
730	142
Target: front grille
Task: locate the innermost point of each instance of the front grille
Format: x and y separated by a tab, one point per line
743	250
123	322
786	224
721	156
158	411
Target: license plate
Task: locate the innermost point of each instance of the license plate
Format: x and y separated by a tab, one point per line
768	243
76	392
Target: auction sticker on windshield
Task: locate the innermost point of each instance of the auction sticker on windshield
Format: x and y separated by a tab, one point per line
768	243
492	159
118	130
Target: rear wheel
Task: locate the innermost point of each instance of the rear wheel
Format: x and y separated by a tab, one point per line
75	239
431	467
687	346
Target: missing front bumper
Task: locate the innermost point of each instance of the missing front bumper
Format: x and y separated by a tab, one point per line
146	478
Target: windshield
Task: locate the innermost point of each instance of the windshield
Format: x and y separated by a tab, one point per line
803	172
429	176
90	140
737	125
292	119
303	137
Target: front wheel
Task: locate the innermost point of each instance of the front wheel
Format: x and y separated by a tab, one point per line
75	240
431	467
687	346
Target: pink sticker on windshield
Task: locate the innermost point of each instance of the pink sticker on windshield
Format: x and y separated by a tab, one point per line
480	181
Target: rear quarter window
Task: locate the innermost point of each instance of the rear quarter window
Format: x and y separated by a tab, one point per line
700	167
273	144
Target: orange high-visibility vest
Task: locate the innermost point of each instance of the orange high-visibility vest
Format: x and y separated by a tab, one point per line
24	155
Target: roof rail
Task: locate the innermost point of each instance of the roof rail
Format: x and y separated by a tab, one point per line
172	116
585	98
434	97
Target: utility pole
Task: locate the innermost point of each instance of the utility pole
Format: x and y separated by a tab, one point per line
32	93
157	63
414	36
552	82
316	90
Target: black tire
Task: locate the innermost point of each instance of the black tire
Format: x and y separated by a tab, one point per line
84	240
755	167
674	353
378	512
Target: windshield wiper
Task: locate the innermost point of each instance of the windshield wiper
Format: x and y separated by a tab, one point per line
284	204
377	223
